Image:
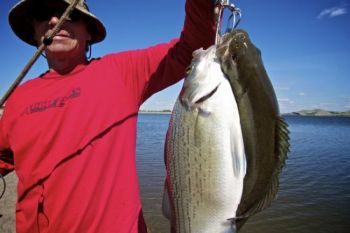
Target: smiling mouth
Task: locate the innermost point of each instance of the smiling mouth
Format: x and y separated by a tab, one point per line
61	34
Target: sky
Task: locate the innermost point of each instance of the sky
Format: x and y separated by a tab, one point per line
305	45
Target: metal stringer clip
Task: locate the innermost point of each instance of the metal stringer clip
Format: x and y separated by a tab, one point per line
235	17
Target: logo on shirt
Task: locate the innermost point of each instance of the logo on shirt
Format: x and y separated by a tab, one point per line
58	102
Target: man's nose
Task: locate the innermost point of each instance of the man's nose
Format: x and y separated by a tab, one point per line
54	20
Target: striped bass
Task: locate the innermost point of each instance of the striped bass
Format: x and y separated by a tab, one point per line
205	154
226	143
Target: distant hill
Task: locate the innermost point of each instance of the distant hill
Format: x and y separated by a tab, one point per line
165	111
318	112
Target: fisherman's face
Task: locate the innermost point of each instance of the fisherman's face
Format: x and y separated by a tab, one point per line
71	39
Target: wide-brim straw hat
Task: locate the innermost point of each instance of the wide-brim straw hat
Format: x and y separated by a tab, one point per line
21	20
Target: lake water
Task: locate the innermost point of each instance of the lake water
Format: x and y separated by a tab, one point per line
314	193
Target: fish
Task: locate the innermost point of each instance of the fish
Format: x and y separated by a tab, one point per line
205	156
265	132
226	142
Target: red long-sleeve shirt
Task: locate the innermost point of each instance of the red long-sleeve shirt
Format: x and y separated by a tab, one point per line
73	136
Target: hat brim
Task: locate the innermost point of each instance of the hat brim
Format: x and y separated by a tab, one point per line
21	23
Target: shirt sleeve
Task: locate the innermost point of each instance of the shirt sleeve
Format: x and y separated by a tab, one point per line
147	71
198	32
6	154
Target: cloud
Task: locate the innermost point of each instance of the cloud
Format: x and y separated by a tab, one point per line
285	101
282	88
346	101
347	107
346	98
332	12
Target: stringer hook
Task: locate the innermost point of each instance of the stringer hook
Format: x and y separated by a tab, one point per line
235	17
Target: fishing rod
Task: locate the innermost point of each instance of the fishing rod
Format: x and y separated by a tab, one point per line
46	42
4	186
3	189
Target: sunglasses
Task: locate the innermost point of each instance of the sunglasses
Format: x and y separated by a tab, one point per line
41	14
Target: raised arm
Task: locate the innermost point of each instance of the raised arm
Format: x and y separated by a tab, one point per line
198	31
150	70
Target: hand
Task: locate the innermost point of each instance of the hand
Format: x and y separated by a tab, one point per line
217	4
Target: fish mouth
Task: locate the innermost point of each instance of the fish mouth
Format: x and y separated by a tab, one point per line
190	105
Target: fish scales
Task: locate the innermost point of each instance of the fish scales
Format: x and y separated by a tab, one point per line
205	156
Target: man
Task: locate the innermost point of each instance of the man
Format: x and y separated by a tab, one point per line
70	134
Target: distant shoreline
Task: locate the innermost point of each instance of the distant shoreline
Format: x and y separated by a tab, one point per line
296	115
318	113
315	112
155	112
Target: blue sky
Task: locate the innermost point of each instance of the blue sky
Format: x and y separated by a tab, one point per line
305	45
